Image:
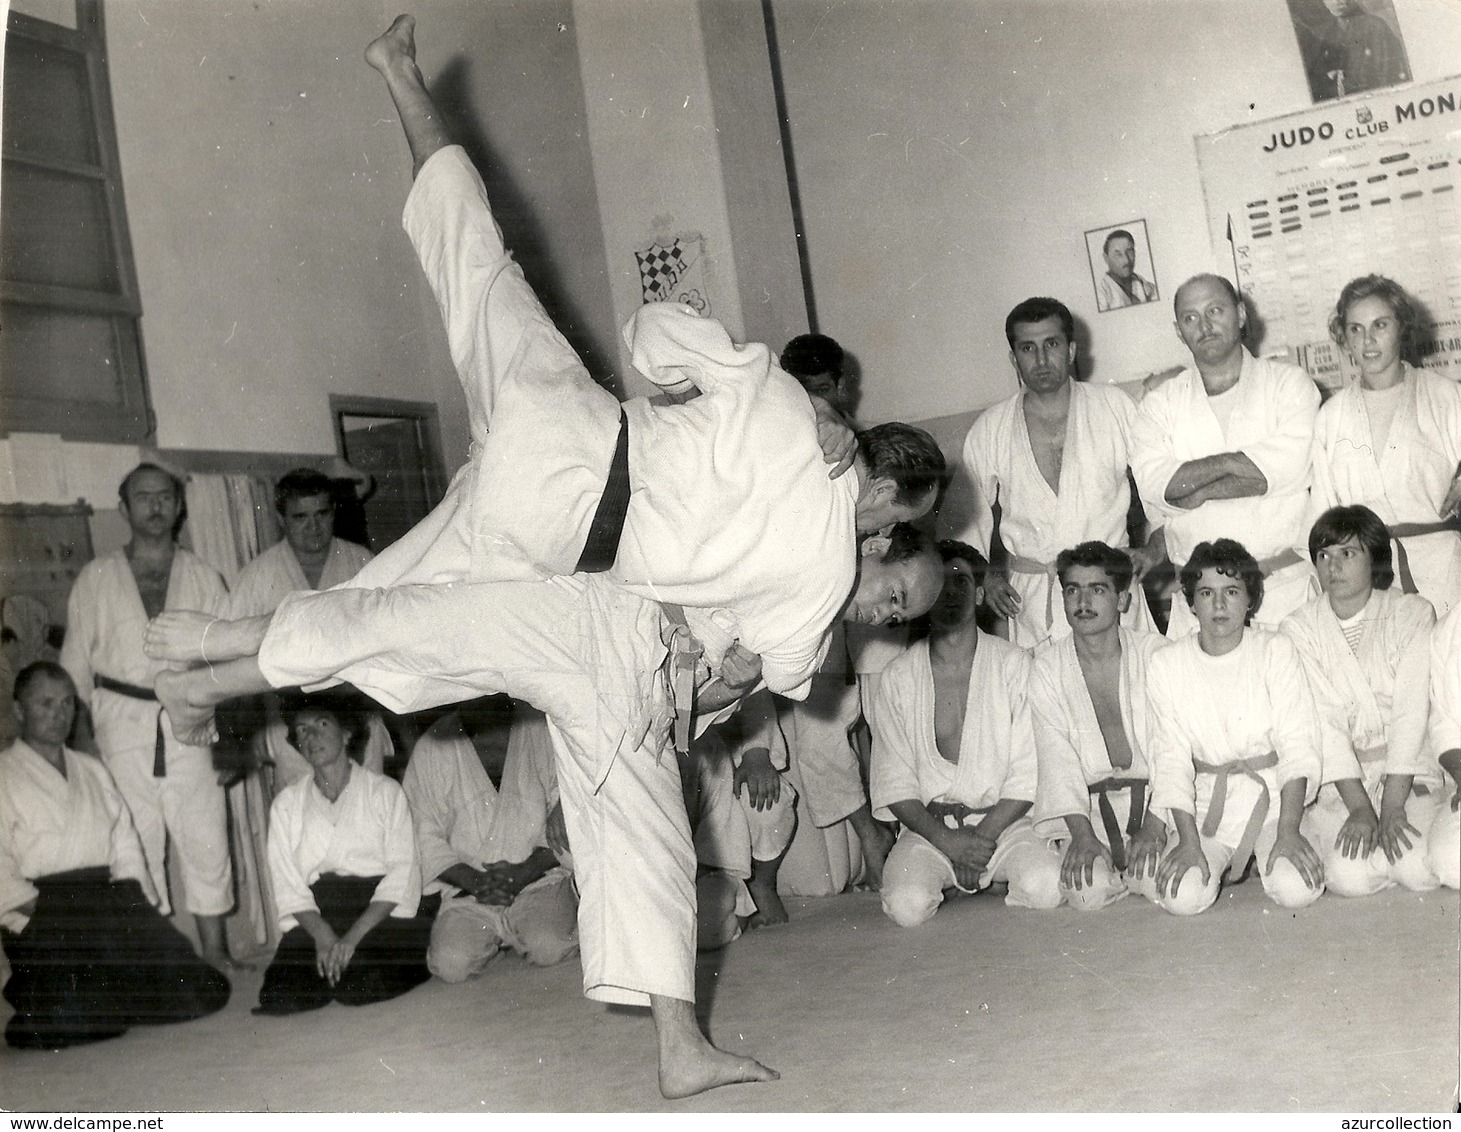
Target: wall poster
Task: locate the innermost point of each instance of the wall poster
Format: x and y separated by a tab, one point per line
1306	202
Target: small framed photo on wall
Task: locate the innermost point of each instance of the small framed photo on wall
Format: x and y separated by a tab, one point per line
1121	265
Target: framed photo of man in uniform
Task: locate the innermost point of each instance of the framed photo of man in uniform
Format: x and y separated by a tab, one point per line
1349	46
1122	270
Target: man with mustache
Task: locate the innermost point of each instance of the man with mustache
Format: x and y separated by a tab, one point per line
1222	450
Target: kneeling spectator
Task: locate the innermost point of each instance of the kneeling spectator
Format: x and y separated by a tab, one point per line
1368	654
90	955
1234	725
484	797
342	855
1443	842
954	760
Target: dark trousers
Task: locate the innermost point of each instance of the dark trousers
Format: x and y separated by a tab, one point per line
97	958
390	960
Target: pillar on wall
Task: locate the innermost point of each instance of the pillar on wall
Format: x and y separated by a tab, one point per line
688	162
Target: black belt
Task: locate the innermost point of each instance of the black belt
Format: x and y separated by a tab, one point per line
602	545
137	692
1102	790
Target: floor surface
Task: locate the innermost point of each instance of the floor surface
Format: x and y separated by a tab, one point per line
1348	1005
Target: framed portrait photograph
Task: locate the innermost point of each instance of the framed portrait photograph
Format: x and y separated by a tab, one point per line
1122	270
1349	46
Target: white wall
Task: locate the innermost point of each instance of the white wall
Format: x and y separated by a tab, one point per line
951	153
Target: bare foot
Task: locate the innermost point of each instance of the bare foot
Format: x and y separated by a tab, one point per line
191	723
179	635
697	1070
877	843
769	908
396	46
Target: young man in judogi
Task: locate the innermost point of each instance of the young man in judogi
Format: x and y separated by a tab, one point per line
1236	744
1088	698
954	761
1367	651
1054	458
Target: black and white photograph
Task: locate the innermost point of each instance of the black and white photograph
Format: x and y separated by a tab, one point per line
615	557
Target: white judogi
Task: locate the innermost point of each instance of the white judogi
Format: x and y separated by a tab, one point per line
276	573
1036	523
1248	704
1374	703
731	509
1443	842
364	832
996	761
819	741
1111	296
722	835
50	824
586	653
1072	755
1272	423
461	818
105	622
1405	483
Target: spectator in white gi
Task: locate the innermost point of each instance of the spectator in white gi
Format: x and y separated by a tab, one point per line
484	800
1443	842
959	770
1234	725
1121	286
89	954
1088	699
1367	651
1223	450
309	557
1053	458
1392	441
342	855
171	787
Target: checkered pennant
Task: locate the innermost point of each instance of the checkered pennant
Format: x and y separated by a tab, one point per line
660	268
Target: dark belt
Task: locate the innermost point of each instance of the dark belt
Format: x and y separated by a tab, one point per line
956	810
137	692
1102	790
602	545
1400	531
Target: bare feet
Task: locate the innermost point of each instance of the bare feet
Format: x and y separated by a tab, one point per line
188	637
395	47
877	843
191	723
699	1070
688	1063
178	635
769	908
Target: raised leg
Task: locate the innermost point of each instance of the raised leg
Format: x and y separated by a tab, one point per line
393	54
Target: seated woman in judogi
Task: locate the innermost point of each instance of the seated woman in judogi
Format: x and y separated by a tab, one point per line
342	855
89	953
1392	440
1235	731
1367	651
1443	842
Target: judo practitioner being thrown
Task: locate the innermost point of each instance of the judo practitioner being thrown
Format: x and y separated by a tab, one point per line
497	591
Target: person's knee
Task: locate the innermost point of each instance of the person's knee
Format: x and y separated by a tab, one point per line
1193	895
909	905
1287	887
1443	849
1106	887
1352	876
455	954
1037	883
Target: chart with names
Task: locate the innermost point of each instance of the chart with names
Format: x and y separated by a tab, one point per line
1304	203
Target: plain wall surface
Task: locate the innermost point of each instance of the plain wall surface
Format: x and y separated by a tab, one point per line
952	153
